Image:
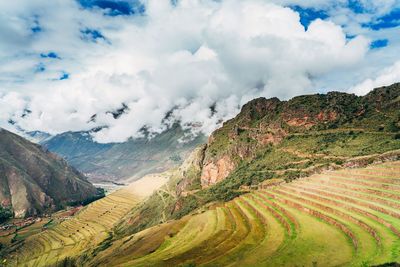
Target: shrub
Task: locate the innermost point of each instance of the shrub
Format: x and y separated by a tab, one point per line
188	205
5	214
332	125
392	127
175	158
67	262
338	161
14	239
106	243
100	194
291	175
390	264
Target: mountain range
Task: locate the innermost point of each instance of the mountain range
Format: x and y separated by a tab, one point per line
129	160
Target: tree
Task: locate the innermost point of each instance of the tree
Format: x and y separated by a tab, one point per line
5	213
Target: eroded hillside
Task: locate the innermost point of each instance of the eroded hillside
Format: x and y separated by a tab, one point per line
34	181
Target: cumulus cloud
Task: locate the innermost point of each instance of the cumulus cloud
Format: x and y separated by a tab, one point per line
385	77
195	62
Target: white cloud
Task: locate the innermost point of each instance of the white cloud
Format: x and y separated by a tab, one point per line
386	77
185	58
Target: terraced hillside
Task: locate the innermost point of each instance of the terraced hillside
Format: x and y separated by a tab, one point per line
87	230
274	139
345	217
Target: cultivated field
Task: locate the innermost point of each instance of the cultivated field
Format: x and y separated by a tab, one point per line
339	218
86	230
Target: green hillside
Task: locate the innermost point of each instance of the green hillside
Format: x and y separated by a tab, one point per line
337	218
346	217
277	139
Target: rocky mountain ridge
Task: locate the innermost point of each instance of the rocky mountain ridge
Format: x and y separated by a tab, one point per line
34	181
264	122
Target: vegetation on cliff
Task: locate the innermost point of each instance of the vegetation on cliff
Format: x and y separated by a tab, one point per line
285	140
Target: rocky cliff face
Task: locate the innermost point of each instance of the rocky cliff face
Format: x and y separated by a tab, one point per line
266	122
214	172
33	181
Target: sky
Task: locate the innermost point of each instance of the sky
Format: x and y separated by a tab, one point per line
127	65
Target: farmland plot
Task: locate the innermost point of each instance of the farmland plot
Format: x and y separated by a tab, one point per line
349	217
86	230
346	217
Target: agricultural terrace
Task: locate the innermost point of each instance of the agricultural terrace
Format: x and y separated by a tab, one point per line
345	217
86	230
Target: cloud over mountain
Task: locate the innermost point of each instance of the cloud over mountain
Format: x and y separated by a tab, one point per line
68	65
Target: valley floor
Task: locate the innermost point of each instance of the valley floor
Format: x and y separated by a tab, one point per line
338	218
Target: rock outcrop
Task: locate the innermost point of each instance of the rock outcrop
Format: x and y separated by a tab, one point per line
263	122
214	172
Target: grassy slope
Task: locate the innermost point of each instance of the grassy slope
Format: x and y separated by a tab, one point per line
281	226
90	230
332	131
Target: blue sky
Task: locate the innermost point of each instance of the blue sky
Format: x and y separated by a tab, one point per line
65	61
115	8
